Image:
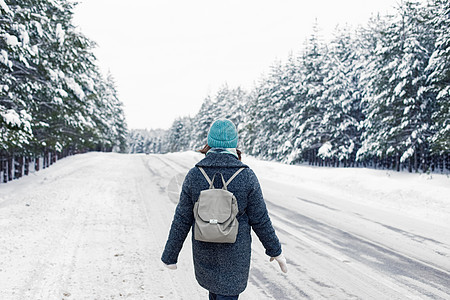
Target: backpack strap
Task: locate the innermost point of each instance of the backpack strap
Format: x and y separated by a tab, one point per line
206	176
225	184
234	176
211	181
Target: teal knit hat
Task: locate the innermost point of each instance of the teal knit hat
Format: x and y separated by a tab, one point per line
223	134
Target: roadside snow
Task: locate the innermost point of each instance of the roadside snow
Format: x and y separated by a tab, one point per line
421	196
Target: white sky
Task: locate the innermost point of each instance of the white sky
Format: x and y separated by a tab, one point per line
168	55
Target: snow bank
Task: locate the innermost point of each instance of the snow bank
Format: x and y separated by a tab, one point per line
421	196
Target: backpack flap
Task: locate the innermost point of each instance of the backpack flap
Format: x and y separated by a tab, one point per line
215	206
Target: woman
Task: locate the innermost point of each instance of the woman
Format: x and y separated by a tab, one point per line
223	268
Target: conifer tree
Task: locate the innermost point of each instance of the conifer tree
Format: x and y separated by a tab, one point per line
398	108
178	136
439	78
307	131
227	103
51	93
341	99
271	110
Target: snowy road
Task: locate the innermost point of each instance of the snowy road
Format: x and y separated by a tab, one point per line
93	227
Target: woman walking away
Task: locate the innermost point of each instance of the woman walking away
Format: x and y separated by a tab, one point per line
221	200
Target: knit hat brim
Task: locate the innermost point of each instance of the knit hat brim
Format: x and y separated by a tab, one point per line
213	143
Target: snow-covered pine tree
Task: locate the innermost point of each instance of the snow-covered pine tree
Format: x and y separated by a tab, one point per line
48	95
178	136
147	141
231	103
247	129
227	103
69	64
16	90
308	134
201	122
109	116
398	109
341	98
268	120
186	133
439	78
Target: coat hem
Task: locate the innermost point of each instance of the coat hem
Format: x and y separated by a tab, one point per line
218	292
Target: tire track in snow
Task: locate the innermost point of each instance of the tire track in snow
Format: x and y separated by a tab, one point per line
409	235
330	262
179	284
357	252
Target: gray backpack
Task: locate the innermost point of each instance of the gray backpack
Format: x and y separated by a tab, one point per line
215	213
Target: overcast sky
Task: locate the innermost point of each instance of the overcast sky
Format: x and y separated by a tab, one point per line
168	55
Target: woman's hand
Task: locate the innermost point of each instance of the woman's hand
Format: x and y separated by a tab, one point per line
281	260
171	267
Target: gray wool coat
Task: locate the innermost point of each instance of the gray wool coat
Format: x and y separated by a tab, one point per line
222	268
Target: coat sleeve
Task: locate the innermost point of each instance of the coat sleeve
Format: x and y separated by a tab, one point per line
259	218
181	224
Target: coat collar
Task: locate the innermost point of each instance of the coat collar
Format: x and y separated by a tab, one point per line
221	160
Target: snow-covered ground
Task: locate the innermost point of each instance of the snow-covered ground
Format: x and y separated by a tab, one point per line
93	226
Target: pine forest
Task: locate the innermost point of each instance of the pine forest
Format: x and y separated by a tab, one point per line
53	99
374	96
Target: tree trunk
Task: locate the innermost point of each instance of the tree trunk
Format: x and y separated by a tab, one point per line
416	167
10	167
18	167
26	169
47	159
397	162
3	169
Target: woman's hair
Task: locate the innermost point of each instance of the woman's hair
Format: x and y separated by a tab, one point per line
206	148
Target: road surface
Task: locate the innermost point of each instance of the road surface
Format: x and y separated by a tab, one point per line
93	226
